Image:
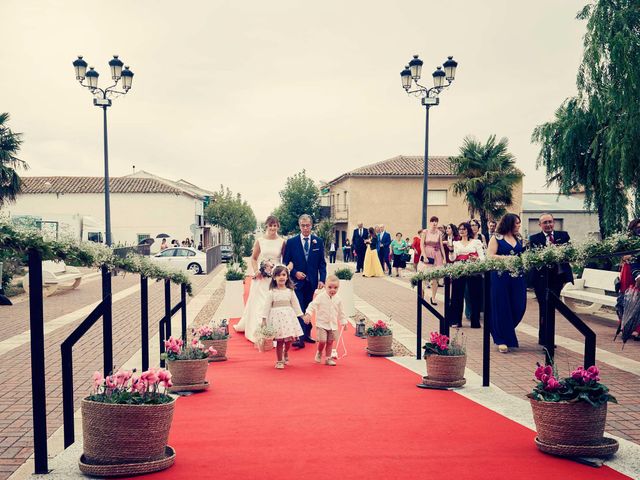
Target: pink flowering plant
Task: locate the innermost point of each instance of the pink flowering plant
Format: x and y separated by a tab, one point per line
582	386
439	344
126	387
379	329
177	349
211	332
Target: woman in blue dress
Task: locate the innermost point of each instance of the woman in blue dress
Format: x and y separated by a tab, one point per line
508	293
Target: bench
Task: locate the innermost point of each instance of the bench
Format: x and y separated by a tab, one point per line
56	275
591	288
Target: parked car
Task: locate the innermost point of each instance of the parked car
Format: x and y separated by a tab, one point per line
182	258
226	253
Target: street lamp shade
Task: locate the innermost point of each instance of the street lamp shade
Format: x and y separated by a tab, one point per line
405	75
92	78
415	65
81	68
127	78
116	67
438	78
450	68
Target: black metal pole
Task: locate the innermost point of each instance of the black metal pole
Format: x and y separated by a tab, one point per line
425	184
38	387
167	308
444	322
107	200
107	322
183	301
144	321
161	332
67	395
549	319
419	322
486	332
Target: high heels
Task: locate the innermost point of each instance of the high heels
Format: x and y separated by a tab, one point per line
432	302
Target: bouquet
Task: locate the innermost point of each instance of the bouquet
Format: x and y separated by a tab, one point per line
379	329
176	349
126	388
266	266
264	338
442	345
582	386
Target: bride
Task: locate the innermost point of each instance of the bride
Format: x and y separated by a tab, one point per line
268	248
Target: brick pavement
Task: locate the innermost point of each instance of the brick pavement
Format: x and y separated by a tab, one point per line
16	433
513	372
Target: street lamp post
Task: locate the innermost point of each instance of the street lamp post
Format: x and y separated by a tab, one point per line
410	75
102	98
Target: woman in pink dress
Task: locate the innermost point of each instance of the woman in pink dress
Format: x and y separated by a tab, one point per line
432	253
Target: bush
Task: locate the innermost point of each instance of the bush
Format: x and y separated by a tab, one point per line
344	273
234	273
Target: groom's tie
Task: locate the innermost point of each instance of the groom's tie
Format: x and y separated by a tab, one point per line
306	248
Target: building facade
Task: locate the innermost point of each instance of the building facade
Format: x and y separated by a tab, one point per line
568	212
390	193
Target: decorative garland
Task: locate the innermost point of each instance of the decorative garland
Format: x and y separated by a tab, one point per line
86	254
576	253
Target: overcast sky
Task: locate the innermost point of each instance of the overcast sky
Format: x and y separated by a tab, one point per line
246	93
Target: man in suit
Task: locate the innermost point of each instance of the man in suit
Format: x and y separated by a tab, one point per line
360	234
384	242
309	272
559	274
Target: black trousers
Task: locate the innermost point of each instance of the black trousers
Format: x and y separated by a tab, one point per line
474	283
360	259
555	285
332	257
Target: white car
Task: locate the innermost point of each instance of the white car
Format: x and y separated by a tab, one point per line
182	258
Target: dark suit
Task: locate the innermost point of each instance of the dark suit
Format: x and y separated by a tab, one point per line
313	266
358	245
383	250
559	275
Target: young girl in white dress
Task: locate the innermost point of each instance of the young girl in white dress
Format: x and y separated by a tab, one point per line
281	312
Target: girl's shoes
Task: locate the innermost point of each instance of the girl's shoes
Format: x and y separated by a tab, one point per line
286	359
279	365
503	348
331	362
318	358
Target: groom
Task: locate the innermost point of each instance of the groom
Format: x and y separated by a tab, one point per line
309	271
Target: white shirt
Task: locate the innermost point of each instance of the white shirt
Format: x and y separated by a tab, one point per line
332	248
329	311
474	246
550	234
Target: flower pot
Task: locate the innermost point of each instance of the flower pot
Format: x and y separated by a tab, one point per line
346	295
188	372
565	423
380	346
446	368
232	304
265	345
220	346
119	434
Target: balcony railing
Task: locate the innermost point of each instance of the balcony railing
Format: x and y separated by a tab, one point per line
339	213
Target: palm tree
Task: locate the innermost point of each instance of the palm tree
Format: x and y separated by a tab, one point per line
9	147
487	177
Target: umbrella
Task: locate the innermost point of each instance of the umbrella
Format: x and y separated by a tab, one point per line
630	319
163	235
146	241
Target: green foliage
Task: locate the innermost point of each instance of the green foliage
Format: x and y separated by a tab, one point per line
379	329
247	245
324	230
443	345
234	273
487	177
299	196
235	215
594	141
10	142
344	273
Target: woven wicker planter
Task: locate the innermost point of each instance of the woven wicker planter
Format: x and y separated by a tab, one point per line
188	372
220	346
380	346
266	345
446	368
565	423
121	434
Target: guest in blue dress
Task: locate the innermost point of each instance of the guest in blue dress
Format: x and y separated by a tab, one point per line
508	293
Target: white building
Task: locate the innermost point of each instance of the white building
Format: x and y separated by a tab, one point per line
568	212
142	205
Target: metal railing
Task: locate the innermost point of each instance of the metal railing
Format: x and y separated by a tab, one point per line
214	257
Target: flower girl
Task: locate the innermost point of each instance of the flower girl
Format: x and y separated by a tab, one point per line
281	312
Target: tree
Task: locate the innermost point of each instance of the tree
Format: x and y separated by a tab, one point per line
235	215
593	144
487	177
10	142
300	195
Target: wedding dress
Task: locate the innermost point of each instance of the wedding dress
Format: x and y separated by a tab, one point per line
251	317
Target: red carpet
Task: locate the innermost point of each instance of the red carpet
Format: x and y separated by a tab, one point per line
362	419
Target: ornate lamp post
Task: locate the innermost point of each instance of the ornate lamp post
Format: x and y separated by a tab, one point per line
102	98
410	75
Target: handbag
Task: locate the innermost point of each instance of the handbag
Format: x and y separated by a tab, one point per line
429	261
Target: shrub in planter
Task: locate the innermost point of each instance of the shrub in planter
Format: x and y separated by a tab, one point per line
446	360
215	336
234	274
379	340
570	411
187	362
127	402
344	273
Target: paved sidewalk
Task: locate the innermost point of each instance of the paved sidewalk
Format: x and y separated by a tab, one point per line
16	429
513	372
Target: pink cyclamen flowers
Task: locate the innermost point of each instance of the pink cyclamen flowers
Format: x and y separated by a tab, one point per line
591	374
